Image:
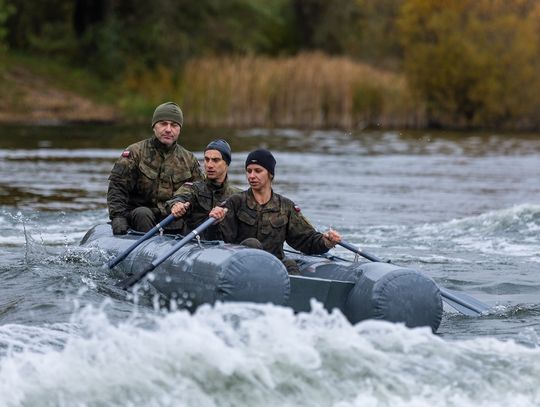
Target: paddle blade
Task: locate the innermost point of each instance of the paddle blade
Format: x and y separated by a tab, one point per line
464	303
132	280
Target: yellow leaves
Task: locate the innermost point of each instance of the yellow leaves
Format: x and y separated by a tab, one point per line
473	61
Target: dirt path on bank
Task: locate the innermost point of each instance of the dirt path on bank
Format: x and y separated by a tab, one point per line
26	98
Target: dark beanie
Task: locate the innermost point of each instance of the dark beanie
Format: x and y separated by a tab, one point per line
262	157
223	147
168	111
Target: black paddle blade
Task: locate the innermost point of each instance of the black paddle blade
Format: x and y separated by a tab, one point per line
130	281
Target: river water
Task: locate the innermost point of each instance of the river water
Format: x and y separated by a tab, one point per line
462	208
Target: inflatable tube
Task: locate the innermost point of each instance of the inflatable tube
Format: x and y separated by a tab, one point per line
196	275
396	294
215	271
372	291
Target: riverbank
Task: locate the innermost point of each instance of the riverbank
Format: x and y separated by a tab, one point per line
28	97
305	91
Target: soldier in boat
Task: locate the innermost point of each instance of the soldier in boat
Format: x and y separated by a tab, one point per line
148	173
194	200
262	218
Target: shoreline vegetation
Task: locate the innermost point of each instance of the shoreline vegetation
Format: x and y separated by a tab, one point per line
306	91
400	64
311	90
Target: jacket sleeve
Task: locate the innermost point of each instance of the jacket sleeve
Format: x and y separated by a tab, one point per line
302	236
186	193
121	183
228	227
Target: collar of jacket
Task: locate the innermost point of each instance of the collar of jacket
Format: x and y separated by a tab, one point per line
162	148
271	206
215	186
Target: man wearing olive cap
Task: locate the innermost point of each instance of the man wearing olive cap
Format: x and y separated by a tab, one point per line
193	201
147	173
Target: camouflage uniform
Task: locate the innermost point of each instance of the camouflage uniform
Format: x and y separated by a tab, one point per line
202	196
146	175
274	223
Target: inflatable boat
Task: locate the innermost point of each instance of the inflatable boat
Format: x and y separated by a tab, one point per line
203	272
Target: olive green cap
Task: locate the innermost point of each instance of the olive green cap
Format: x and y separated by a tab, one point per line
168	111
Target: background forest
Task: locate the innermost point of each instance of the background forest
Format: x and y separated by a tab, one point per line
299	63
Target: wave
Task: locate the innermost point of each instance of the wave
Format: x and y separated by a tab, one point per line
47	228
521	221
512	231
257	355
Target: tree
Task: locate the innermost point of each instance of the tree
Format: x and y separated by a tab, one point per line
474	62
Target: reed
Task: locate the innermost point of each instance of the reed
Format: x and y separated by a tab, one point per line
306	91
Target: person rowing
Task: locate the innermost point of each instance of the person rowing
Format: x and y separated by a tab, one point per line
259	217
193	201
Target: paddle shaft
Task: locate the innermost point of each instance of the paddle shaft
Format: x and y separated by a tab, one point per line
450	296
143	238
360	252
135	278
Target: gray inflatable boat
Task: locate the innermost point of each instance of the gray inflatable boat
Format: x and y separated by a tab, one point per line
206	272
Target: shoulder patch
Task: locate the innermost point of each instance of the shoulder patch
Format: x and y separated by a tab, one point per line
126	153
297	208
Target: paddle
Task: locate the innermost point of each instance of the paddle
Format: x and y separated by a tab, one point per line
146	236
464	303
135	278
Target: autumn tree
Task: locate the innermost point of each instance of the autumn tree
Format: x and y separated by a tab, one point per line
474	62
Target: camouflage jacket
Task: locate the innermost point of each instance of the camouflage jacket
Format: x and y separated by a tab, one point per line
147	174
202	196
274	223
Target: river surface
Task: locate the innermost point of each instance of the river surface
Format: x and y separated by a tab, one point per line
462	208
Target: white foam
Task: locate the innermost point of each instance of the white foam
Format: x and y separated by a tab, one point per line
259	355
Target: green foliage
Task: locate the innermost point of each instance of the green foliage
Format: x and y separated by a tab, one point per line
112	36
142	35
367	101
39	26
470	62
326	25
377	38
6	10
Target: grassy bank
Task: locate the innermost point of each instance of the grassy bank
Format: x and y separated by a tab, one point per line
45	92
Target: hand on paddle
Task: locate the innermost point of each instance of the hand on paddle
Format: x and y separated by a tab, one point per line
179	209
218	213
331	238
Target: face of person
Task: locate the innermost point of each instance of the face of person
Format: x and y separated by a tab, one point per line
215	166
167	132
258	177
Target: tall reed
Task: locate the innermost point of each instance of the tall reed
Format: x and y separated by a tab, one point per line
306	91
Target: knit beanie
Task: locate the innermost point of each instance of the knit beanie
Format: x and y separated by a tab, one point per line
168	111
262	157
223	147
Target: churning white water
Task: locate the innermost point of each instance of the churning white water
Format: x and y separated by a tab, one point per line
257	355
